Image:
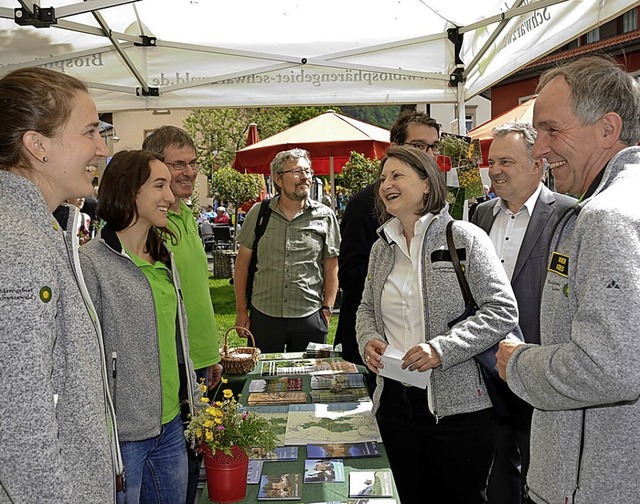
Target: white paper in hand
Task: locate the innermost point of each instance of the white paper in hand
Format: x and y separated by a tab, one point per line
392	361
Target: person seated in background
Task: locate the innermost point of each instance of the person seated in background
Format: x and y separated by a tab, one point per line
206	214
222	217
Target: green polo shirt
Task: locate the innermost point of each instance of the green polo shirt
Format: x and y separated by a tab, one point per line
289	281
191	261
166	306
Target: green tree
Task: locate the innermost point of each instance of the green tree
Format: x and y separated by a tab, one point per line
219	133
236	187
357	173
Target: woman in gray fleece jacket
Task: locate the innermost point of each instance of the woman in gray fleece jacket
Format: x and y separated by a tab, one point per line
55	413
136	290
440	440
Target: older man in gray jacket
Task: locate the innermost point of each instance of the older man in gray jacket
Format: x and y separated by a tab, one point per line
583	379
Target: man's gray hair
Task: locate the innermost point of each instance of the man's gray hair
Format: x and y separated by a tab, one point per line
600	85
283	157
525	130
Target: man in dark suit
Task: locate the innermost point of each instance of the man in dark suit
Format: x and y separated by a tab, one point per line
520	222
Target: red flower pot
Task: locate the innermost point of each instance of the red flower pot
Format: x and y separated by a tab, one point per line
226	474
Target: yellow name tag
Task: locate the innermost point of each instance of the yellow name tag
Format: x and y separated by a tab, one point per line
559	264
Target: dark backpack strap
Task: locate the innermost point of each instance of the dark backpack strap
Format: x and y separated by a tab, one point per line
464	285
261	226
261	223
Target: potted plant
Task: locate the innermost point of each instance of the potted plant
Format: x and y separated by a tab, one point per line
225	435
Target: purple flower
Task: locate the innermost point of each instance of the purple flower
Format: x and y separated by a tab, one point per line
220	427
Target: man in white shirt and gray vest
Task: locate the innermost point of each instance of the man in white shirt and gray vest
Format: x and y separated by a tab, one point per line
520	222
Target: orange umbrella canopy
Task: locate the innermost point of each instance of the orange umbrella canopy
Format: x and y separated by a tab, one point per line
522	113
326	136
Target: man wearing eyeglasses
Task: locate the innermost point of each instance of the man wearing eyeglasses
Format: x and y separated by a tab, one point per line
180	156
296	281
417	130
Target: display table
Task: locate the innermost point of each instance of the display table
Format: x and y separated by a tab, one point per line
311	492
315	492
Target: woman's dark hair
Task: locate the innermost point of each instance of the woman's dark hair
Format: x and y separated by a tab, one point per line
123	177
33	99
427	169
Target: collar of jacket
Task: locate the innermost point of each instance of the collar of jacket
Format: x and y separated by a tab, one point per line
381	234
108	234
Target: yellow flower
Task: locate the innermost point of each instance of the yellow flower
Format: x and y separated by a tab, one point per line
203	388
208	436
227	393
204	399
209	423
218	420
211	410
224	380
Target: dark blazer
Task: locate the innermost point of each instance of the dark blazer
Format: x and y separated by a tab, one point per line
358	232
531	265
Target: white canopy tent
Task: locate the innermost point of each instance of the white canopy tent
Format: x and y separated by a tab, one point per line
159	54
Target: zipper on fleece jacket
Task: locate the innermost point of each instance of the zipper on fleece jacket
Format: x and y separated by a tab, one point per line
110	412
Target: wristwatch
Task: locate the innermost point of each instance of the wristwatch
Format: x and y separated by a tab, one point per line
327	308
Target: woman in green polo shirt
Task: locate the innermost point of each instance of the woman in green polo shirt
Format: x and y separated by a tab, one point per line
136	289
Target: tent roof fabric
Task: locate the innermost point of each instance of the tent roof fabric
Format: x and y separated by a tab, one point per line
151	54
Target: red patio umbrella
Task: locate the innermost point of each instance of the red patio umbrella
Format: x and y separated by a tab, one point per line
252	134
253	137
329	138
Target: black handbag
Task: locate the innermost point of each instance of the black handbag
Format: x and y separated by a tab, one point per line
505	403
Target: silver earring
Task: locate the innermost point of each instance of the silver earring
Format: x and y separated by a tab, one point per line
45	159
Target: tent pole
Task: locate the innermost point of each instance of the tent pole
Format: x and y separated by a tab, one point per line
462	124
333	184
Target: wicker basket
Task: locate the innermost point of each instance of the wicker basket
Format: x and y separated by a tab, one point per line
239	360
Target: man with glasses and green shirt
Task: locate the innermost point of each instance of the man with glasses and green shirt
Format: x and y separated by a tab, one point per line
296	281
180	156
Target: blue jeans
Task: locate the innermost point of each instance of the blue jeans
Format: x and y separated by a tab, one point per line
156	468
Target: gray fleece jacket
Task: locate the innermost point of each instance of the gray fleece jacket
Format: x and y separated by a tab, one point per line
54	427
124	302
584	380
457	385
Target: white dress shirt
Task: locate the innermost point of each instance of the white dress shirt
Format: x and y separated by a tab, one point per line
508	230
402	301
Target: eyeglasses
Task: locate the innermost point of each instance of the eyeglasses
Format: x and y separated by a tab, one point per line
181	166
435	147
297	172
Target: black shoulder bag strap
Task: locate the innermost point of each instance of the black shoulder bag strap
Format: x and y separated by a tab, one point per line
505	403
469	302
261	226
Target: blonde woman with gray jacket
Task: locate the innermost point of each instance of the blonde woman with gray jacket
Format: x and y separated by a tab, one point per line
136	290
439	440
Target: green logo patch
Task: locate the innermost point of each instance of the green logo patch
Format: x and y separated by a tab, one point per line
45	294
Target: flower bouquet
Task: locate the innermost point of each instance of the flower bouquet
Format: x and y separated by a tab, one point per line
220	425
225	435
